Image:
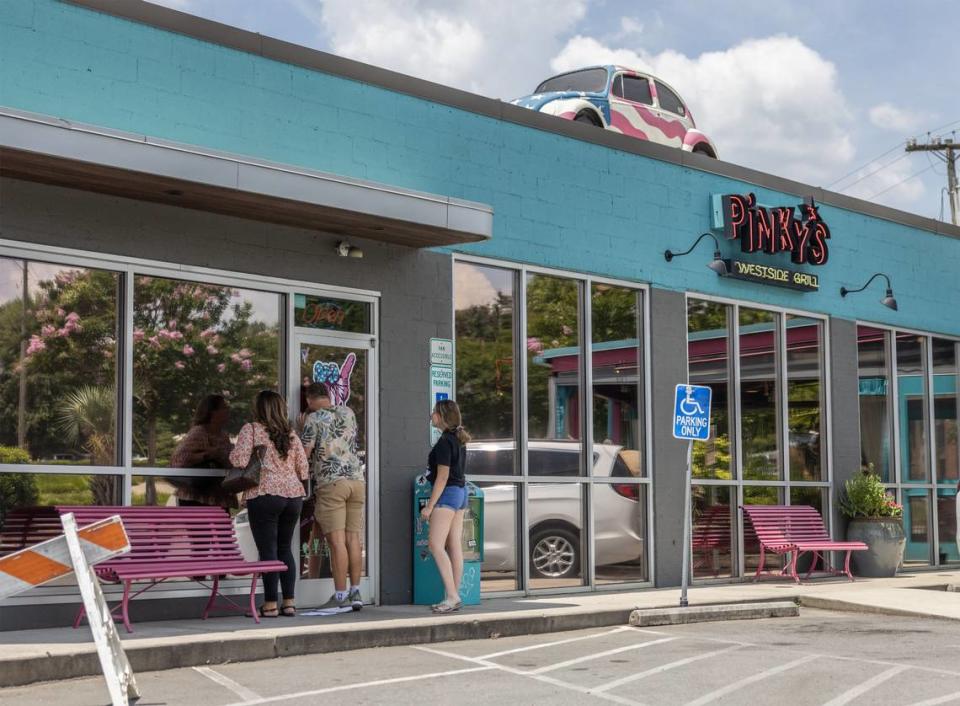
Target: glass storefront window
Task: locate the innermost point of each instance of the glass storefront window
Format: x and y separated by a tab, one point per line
759	398
707	346
714	520
553	370
805	403
484	308
27	493
501	521
913	411
946	460
916	525
620	530
555	522
58	362
947	525
327	313
758	495
193	340
876	413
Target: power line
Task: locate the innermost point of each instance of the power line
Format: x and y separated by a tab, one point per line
950	149
902	181
878	169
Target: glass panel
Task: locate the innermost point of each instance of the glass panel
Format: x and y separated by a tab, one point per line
553	363
758	395
714	515
805	397
707	351
344	372
620	530
914	419
193	341
758	495
876	418
58	373
25	494
484	299
556	534
812	496
947	525
916	524
501	537
182	490
616	372
311	311
945	409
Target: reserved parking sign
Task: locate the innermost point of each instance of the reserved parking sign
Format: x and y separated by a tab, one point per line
691	412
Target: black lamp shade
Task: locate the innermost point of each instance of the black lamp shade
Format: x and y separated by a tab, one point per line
888	300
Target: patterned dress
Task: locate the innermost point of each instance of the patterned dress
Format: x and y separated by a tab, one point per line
278	476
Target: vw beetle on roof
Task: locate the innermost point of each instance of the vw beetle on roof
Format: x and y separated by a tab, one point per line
622	100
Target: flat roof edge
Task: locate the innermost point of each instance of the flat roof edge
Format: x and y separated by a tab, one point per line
243	40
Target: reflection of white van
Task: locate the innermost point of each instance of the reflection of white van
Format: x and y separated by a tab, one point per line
557	509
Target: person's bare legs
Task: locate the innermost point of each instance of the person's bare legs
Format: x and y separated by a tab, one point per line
440	521
355	554
455	549
339	558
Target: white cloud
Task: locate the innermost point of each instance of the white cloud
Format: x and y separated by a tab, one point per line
497	48
473	288
887	116
773	104
891	183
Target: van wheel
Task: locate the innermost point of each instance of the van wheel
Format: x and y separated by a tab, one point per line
555	553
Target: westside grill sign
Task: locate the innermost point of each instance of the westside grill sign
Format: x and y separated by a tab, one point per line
767	274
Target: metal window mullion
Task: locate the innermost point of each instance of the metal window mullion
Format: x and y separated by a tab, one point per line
933	512
586	427
127	389
736	428
826	415
893	370
521	425
783	401
646	442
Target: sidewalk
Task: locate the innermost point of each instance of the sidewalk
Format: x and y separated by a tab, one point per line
29	656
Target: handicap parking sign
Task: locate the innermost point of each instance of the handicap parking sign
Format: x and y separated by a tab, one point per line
691	412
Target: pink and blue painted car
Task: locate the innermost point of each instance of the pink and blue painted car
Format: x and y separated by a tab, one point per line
622	100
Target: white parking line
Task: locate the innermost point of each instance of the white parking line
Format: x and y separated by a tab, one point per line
598	655
362	685
556	642
849	695
737	685
939	700
226	682
662	668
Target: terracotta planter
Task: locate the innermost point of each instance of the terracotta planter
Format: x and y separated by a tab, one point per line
886	539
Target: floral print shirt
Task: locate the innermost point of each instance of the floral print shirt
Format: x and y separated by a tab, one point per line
334	457
278	476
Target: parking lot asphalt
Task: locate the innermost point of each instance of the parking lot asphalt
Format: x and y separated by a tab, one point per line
818	658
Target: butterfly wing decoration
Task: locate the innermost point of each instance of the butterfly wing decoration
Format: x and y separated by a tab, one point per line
340	388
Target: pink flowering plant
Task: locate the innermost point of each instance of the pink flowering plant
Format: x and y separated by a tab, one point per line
864	497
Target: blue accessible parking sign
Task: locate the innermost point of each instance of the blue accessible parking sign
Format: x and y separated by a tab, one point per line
691	412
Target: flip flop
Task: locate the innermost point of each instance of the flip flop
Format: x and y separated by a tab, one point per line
446	607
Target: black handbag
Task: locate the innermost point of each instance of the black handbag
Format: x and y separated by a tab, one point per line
238	480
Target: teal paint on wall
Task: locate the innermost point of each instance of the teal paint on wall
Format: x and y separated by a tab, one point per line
557	202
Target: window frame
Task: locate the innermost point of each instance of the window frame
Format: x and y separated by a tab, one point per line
623	75
658	84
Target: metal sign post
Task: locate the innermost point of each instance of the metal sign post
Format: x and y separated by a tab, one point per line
116	668
691	422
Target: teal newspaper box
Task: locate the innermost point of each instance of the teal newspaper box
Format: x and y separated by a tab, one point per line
427	586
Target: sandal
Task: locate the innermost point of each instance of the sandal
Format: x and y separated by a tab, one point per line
288	611
269	613
447	607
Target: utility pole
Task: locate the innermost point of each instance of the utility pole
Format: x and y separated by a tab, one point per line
950	148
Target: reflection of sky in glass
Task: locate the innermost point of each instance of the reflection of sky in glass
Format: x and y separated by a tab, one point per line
11	277
479	286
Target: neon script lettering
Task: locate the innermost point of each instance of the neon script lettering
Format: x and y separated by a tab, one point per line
322	313
776	230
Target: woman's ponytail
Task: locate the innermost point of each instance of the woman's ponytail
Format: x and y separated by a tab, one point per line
452	421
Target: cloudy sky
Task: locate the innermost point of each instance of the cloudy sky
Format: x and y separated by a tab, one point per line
821	91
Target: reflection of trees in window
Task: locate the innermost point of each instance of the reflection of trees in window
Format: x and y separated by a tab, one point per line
709	365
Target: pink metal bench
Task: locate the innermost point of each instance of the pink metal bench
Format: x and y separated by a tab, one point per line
165	543
796	529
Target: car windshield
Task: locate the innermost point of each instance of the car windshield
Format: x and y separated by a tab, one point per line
588	81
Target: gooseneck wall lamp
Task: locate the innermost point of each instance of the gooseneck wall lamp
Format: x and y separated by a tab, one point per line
888	300
718	264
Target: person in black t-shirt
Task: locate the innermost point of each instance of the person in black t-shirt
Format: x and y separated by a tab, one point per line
448	501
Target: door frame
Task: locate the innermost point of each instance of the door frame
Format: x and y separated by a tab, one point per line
316	591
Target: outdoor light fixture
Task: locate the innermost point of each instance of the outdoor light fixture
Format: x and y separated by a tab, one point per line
345	249
888	300
718	264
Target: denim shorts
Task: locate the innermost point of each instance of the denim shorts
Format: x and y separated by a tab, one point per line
453	497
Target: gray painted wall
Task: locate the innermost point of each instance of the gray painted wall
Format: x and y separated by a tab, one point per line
845	403
668	359
416	305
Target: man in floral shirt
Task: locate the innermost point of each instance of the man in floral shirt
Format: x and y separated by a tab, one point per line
330	441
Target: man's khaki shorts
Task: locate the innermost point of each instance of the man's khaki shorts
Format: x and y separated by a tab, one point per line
340	505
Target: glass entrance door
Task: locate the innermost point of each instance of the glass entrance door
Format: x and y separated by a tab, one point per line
347	368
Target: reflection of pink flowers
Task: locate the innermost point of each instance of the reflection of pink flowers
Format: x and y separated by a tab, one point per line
247	364
73	316
176	335
60	312
236	358
534	345
154	341
221	367
36	345
567	330
245	353
179	365
172	324
207	333
138	334
47	330
188	350
212	350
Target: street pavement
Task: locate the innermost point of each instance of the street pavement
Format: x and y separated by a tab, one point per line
822	657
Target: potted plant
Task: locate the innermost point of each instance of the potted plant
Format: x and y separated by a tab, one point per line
875	519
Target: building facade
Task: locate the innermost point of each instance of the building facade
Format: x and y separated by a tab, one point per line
182	206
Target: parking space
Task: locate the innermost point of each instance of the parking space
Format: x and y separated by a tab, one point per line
819	658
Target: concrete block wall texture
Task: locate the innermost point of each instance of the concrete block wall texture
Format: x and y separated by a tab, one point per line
557	201
411	282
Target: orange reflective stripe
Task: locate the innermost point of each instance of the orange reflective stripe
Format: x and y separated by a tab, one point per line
110	536
33	568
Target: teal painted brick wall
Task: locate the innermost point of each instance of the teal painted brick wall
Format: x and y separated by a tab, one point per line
558	202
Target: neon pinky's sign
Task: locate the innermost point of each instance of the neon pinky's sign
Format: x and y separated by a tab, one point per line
771	230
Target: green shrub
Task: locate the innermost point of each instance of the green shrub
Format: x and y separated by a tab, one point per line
865	496
12	454
16	489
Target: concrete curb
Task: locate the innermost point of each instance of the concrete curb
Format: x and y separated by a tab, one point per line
823	603
701	614
155	654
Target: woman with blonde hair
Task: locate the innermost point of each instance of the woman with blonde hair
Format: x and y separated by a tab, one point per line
274	505
448	501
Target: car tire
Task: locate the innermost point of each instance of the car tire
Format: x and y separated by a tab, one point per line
585	117
705	151
554	553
